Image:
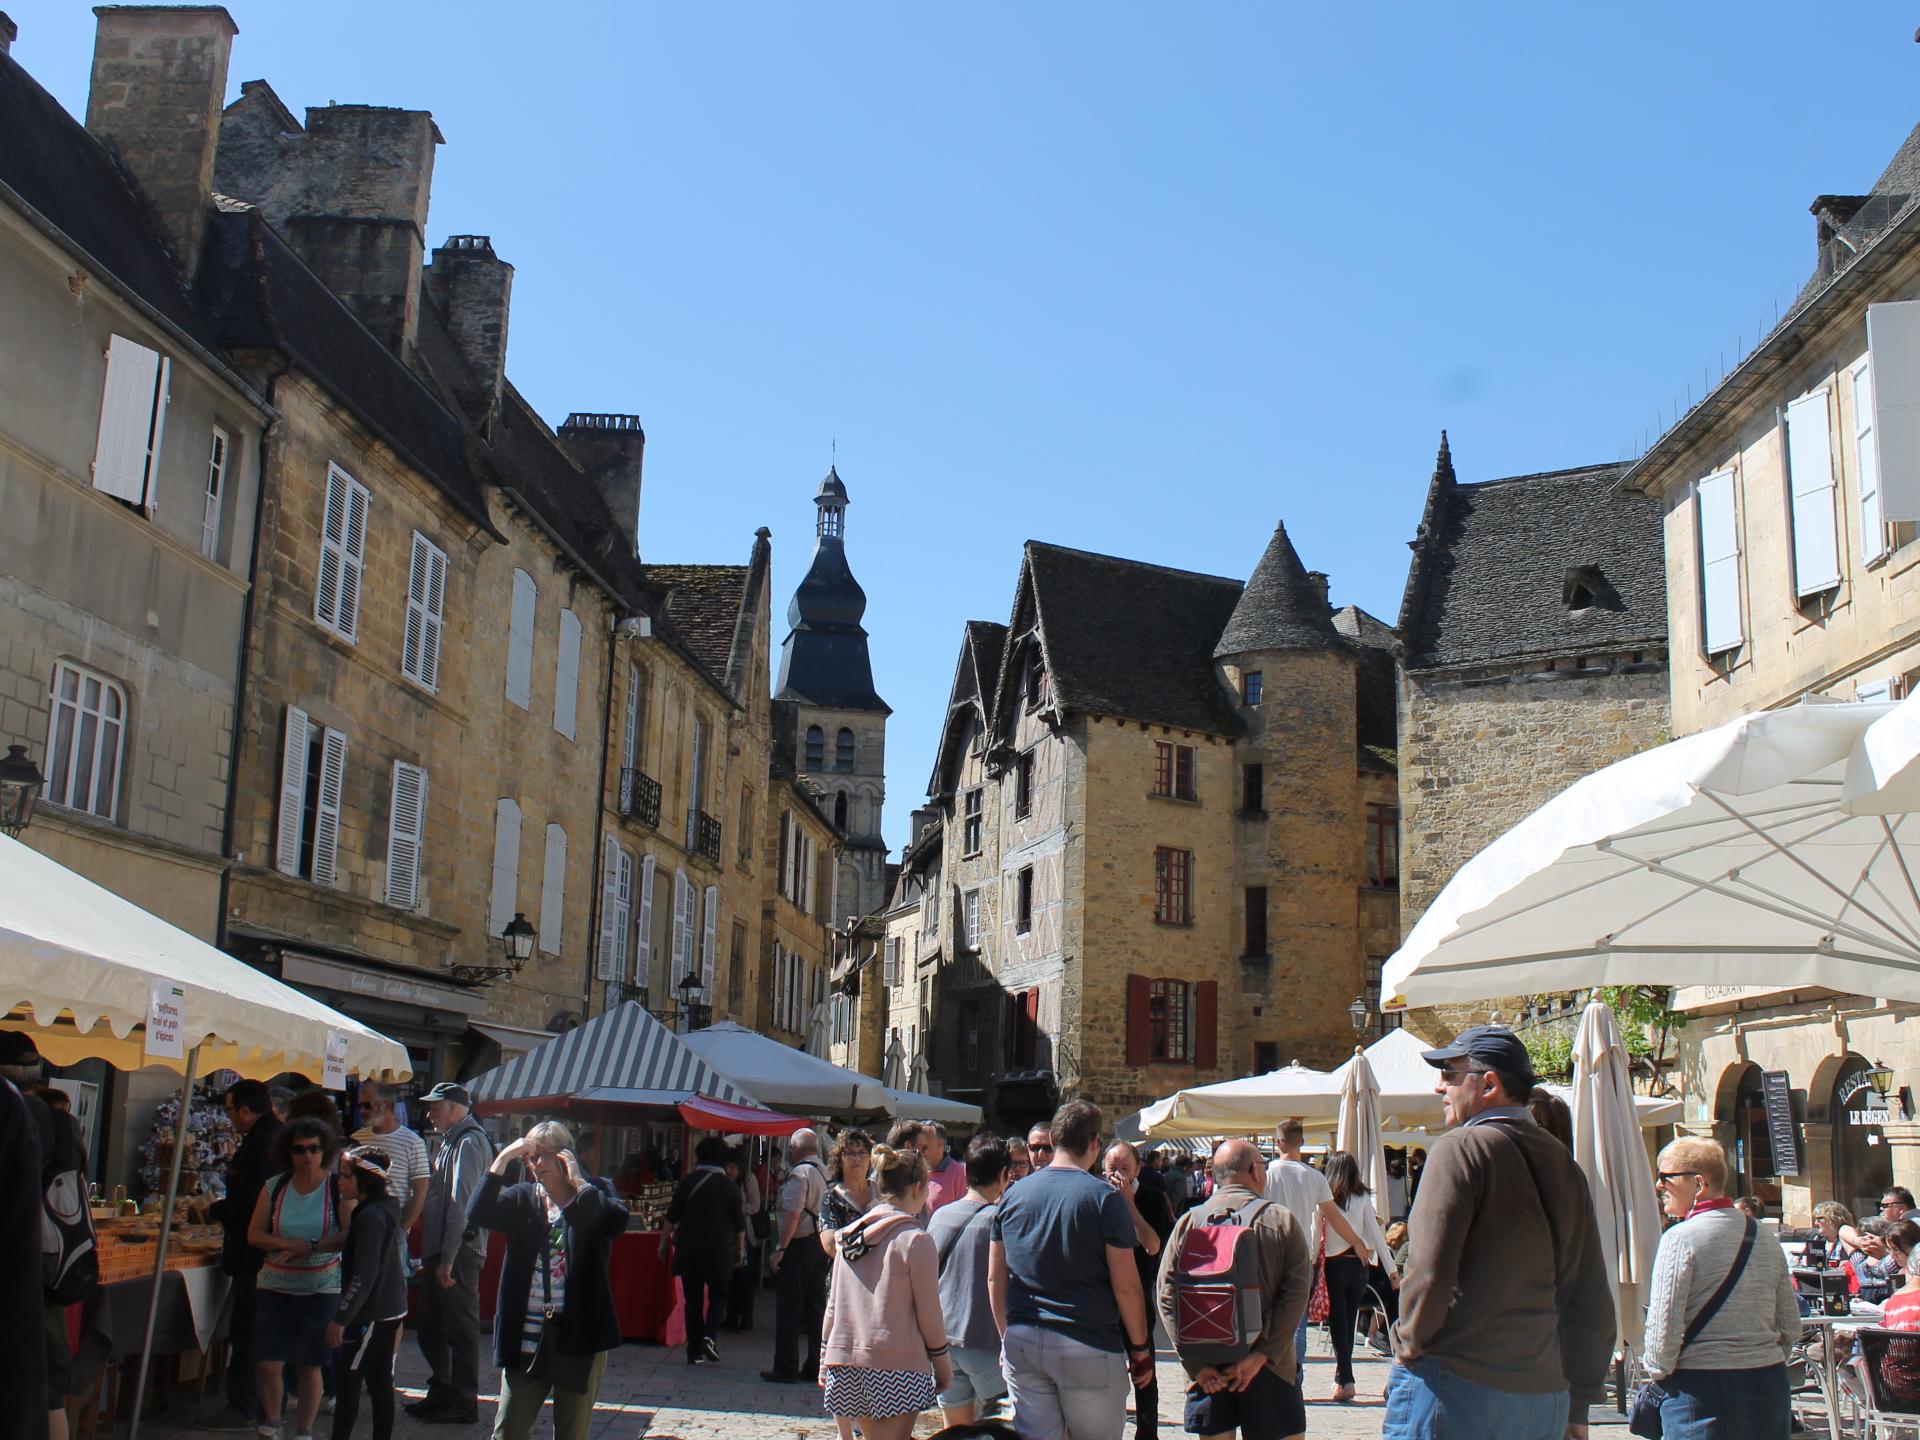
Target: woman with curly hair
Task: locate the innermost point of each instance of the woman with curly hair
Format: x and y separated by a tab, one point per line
849	1193
298	1222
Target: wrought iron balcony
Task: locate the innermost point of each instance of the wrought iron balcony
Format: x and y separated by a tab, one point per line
706	837
639	796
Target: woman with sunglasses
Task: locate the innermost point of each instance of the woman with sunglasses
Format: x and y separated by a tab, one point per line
299	1222
849	1193
373	1294
1727	1379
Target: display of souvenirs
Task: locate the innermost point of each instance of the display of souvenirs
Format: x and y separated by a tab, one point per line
210	1144
648	1205
126	1245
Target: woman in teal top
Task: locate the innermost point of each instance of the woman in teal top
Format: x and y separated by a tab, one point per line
298	1221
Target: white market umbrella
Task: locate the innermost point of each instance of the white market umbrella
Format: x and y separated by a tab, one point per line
1243	1106
1772	850
915	1105
781	1076
1609	1150
1359	1131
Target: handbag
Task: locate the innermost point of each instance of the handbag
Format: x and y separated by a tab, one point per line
1643	1410
550	1362
1319	1303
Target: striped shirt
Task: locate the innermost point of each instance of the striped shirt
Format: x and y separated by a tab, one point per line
549	1287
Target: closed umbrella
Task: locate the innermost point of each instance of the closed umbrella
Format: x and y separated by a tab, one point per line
1359	1132
1610	1152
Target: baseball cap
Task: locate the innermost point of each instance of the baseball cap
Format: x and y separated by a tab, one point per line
1492	1045
448	1090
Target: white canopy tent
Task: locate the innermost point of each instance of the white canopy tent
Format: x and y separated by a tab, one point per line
783	1077
915	1106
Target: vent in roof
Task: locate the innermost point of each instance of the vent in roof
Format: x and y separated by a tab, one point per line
1585	588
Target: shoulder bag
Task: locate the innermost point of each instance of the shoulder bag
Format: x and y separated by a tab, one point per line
1643	1411
550	1362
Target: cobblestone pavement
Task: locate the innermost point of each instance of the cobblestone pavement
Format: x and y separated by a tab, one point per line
650	1391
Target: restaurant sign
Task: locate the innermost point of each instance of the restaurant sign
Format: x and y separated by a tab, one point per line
1858	1103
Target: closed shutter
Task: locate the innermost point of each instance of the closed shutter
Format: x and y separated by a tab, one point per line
609	884
1137	1002
1206	1024
566	674
553	891
780	867
132	411
426	604
630	729
623	912
1719	555
294	743
1893	342
343	549
1866	456
505	897
405	828
643	948
806	885
326	825
709	939
1816	550
677	946
520	641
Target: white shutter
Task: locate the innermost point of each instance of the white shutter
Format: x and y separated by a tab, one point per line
354	561
622	913
405	826
630	730
326	825
1719	526
566	674
553	891
505	899
426	602
1866	455
643	949
1893	342
709	938
520	641
295	739
604	967
1816	541
807	891
679	949
343	549
1877	692
124	452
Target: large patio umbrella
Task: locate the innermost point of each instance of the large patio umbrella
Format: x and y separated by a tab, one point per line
1772	850
1609	1150
1359	1132
1230	1107
916	1105
781	1075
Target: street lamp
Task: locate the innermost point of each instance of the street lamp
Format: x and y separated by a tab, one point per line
516	941
20	782
1881	1078
1360	1012
695	1015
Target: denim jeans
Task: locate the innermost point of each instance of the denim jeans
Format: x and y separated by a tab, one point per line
1726	1404
1061	1388
1427	1401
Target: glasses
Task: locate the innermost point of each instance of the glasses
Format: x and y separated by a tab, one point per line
1035	1147
1667	1177
313	1147
1892	1204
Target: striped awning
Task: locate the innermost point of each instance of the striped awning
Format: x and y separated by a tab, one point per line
624	1050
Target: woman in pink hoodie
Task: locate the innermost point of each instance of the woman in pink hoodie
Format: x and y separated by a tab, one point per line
883	1356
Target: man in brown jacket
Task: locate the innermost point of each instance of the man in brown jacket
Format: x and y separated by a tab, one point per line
1506	1321
1260	1395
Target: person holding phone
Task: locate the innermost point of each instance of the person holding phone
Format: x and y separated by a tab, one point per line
553	1320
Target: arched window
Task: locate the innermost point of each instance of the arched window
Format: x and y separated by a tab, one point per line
816	748
840	810
843	750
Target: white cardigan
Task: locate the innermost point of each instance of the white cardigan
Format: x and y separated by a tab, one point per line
1366	1224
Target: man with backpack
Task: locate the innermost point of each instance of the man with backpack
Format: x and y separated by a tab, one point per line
1232	1290
452	1251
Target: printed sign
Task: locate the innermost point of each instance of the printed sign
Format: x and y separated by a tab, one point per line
167	1022
336	1076
1859	1103
1777	1091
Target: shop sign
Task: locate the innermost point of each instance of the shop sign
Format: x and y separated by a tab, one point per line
1777	1091
1860	1104
336	1064
166	1022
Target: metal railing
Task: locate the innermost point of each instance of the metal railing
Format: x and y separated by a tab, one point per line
706	833
639	796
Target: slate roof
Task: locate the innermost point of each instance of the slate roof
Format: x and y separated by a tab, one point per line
1280	609
976	678
1376	699
50	162
1122	637
704	603
1489	580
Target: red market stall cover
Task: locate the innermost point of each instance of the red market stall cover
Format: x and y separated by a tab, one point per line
704	1114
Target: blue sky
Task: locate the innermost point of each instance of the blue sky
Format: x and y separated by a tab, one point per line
1140	279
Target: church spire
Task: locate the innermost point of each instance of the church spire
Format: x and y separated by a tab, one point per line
824	658
830	504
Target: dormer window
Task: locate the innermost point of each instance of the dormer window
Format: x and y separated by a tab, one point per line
1585	588
1036	677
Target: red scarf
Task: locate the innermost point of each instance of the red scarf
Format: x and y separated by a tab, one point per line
1703	1205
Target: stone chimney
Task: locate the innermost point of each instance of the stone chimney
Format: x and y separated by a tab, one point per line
473	288
610	448
1318	580
159	77
9	32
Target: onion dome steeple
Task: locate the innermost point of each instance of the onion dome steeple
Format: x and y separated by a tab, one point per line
823	661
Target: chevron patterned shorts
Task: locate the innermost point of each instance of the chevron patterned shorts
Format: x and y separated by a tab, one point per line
855	1392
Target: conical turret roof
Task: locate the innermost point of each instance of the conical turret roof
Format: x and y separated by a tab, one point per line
1281	608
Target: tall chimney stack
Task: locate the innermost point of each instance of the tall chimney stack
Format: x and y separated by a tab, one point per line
474	288
1318	580
159	77
610	448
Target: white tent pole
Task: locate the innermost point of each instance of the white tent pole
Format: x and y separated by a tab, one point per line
160	1250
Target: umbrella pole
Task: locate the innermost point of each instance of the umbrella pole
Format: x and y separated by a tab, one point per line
160	1250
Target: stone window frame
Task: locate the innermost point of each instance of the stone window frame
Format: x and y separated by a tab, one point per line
1252	688
74	722
1175	767
1023	784
972	821
1172	886
1382	857
815	752
1253	788
1023	900
1169	1021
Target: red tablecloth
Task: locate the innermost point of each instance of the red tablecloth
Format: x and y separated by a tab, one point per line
645	1295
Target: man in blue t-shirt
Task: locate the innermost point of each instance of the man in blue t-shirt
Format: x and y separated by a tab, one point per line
1066	1294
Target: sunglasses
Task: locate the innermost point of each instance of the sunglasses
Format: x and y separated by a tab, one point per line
311	1148
1667	1177
1035	1147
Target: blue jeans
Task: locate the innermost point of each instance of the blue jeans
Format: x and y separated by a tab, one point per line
1427	1401
1300	1353
1726	1404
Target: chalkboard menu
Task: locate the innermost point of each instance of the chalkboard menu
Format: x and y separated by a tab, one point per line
1778	1093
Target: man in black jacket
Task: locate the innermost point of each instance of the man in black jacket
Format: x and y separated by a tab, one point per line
250	1108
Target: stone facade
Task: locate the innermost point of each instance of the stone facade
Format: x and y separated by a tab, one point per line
797	918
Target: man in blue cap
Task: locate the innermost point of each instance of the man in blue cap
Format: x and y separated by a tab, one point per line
1506	1319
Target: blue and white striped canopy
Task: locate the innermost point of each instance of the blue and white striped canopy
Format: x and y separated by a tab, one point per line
622	1057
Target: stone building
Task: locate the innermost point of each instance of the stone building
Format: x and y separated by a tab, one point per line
1153	796
1533	652
797	912
839	720
1790	509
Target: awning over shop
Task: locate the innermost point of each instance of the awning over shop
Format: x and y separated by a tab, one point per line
511	1039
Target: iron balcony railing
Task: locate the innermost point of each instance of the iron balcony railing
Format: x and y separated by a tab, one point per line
706	837
639	796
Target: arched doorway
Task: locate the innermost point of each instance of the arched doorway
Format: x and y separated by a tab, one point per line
1745	1113
1862	1164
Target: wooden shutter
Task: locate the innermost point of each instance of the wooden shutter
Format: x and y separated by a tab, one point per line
326	825
709	939
807	895
1138	1045
566	674
343	548
1719	554
553	891
604	968
1893	342
505	901
132	408
520	640
294	742
1866	456
406	825
353	559
426	604
1816	552
677	948
643	948
1206	1024
1029	1051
